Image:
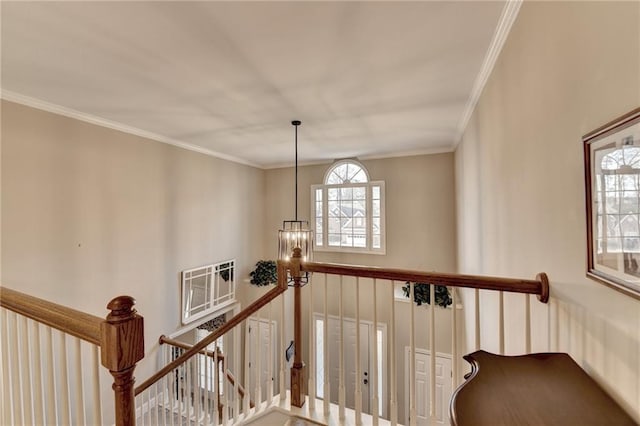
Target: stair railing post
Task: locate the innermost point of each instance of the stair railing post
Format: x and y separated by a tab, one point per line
298	368
122	346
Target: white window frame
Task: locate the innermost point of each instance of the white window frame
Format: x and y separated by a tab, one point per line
321	241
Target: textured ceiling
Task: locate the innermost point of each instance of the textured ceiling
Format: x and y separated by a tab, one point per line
367	79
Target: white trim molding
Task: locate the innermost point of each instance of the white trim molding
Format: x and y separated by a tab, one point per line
507	18
103	122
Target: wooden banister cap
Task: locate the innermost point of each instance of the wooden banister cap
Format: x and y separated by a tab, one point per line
121	308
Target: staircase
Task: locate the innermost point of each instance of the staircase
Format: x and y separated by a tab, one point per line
357	374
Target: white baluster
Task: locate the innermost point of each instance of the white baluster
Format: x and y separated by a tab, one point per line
14	359
216	386
325	340
258	367
393	405
188	389
283	346
477	319
174	379
50	386
97	401
38	414
412	359
312	351
270	349
80	419
163	408
432	358
247	345
236	371
196	391
7	394
225	389
374	382
341	387
357	355
454	338
527	324
25	371
208	374
65	406
501	323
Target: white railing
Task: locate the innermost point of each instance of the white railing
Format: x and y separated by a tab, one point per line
50	358
202	385
408	391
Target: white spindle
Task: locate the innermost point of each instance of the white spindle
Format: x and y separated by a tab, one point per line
163	407
65	406
247	345
25	371
412	359
270	348
527	323
236	370
216	385
341	387
374	376
189	386
38	405
477	319
15	373
208	377
454	338
80	419
393	405
432	358
501	322
225	390
282	346
50	387
357	355
7	394
97	401
257	358
196	385
312	352
325	360
173	395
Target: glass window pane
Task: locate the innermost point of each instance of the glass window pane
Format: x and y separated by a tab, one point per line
375	192
346	209
334	225
346	193
334	209
358	177
375	204
318	194
333	193
376	241
319	209
334	240
376	226
359	193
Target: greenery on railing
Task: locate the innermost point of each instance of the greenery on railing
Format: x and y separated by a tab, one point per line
265	273
422	294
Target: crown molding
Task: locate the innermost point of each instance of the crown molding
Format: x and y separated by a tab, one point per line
507	18
103	122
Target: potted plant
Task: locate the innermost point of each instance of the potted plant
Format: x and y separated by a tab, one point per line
422	294
265	273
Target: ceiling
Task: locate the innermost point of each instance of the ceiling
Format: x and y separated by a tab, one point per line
367	79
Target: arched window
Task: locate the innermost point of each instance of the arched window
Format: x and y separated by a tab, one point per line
348	210
618	213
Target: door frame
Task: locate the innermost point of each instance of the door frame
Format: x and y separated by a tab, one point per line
407	350
382	326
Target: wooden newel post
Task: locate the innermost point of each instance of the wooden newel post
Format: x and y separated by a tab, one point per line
297	371
121	348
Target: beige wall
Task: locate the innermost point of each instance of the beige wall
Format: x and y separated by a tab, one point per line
420	226
90	213
567	68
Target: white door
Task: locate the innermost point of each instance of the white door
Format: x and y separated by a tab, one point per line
443	386
349	330
258	336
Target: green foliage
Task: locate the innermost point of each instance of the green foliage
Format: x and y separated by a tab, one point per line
422	294
265	273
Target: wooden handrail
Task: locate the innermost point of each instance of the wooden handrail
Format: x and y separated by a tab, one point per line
539	286
71	321
198	347
165	340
